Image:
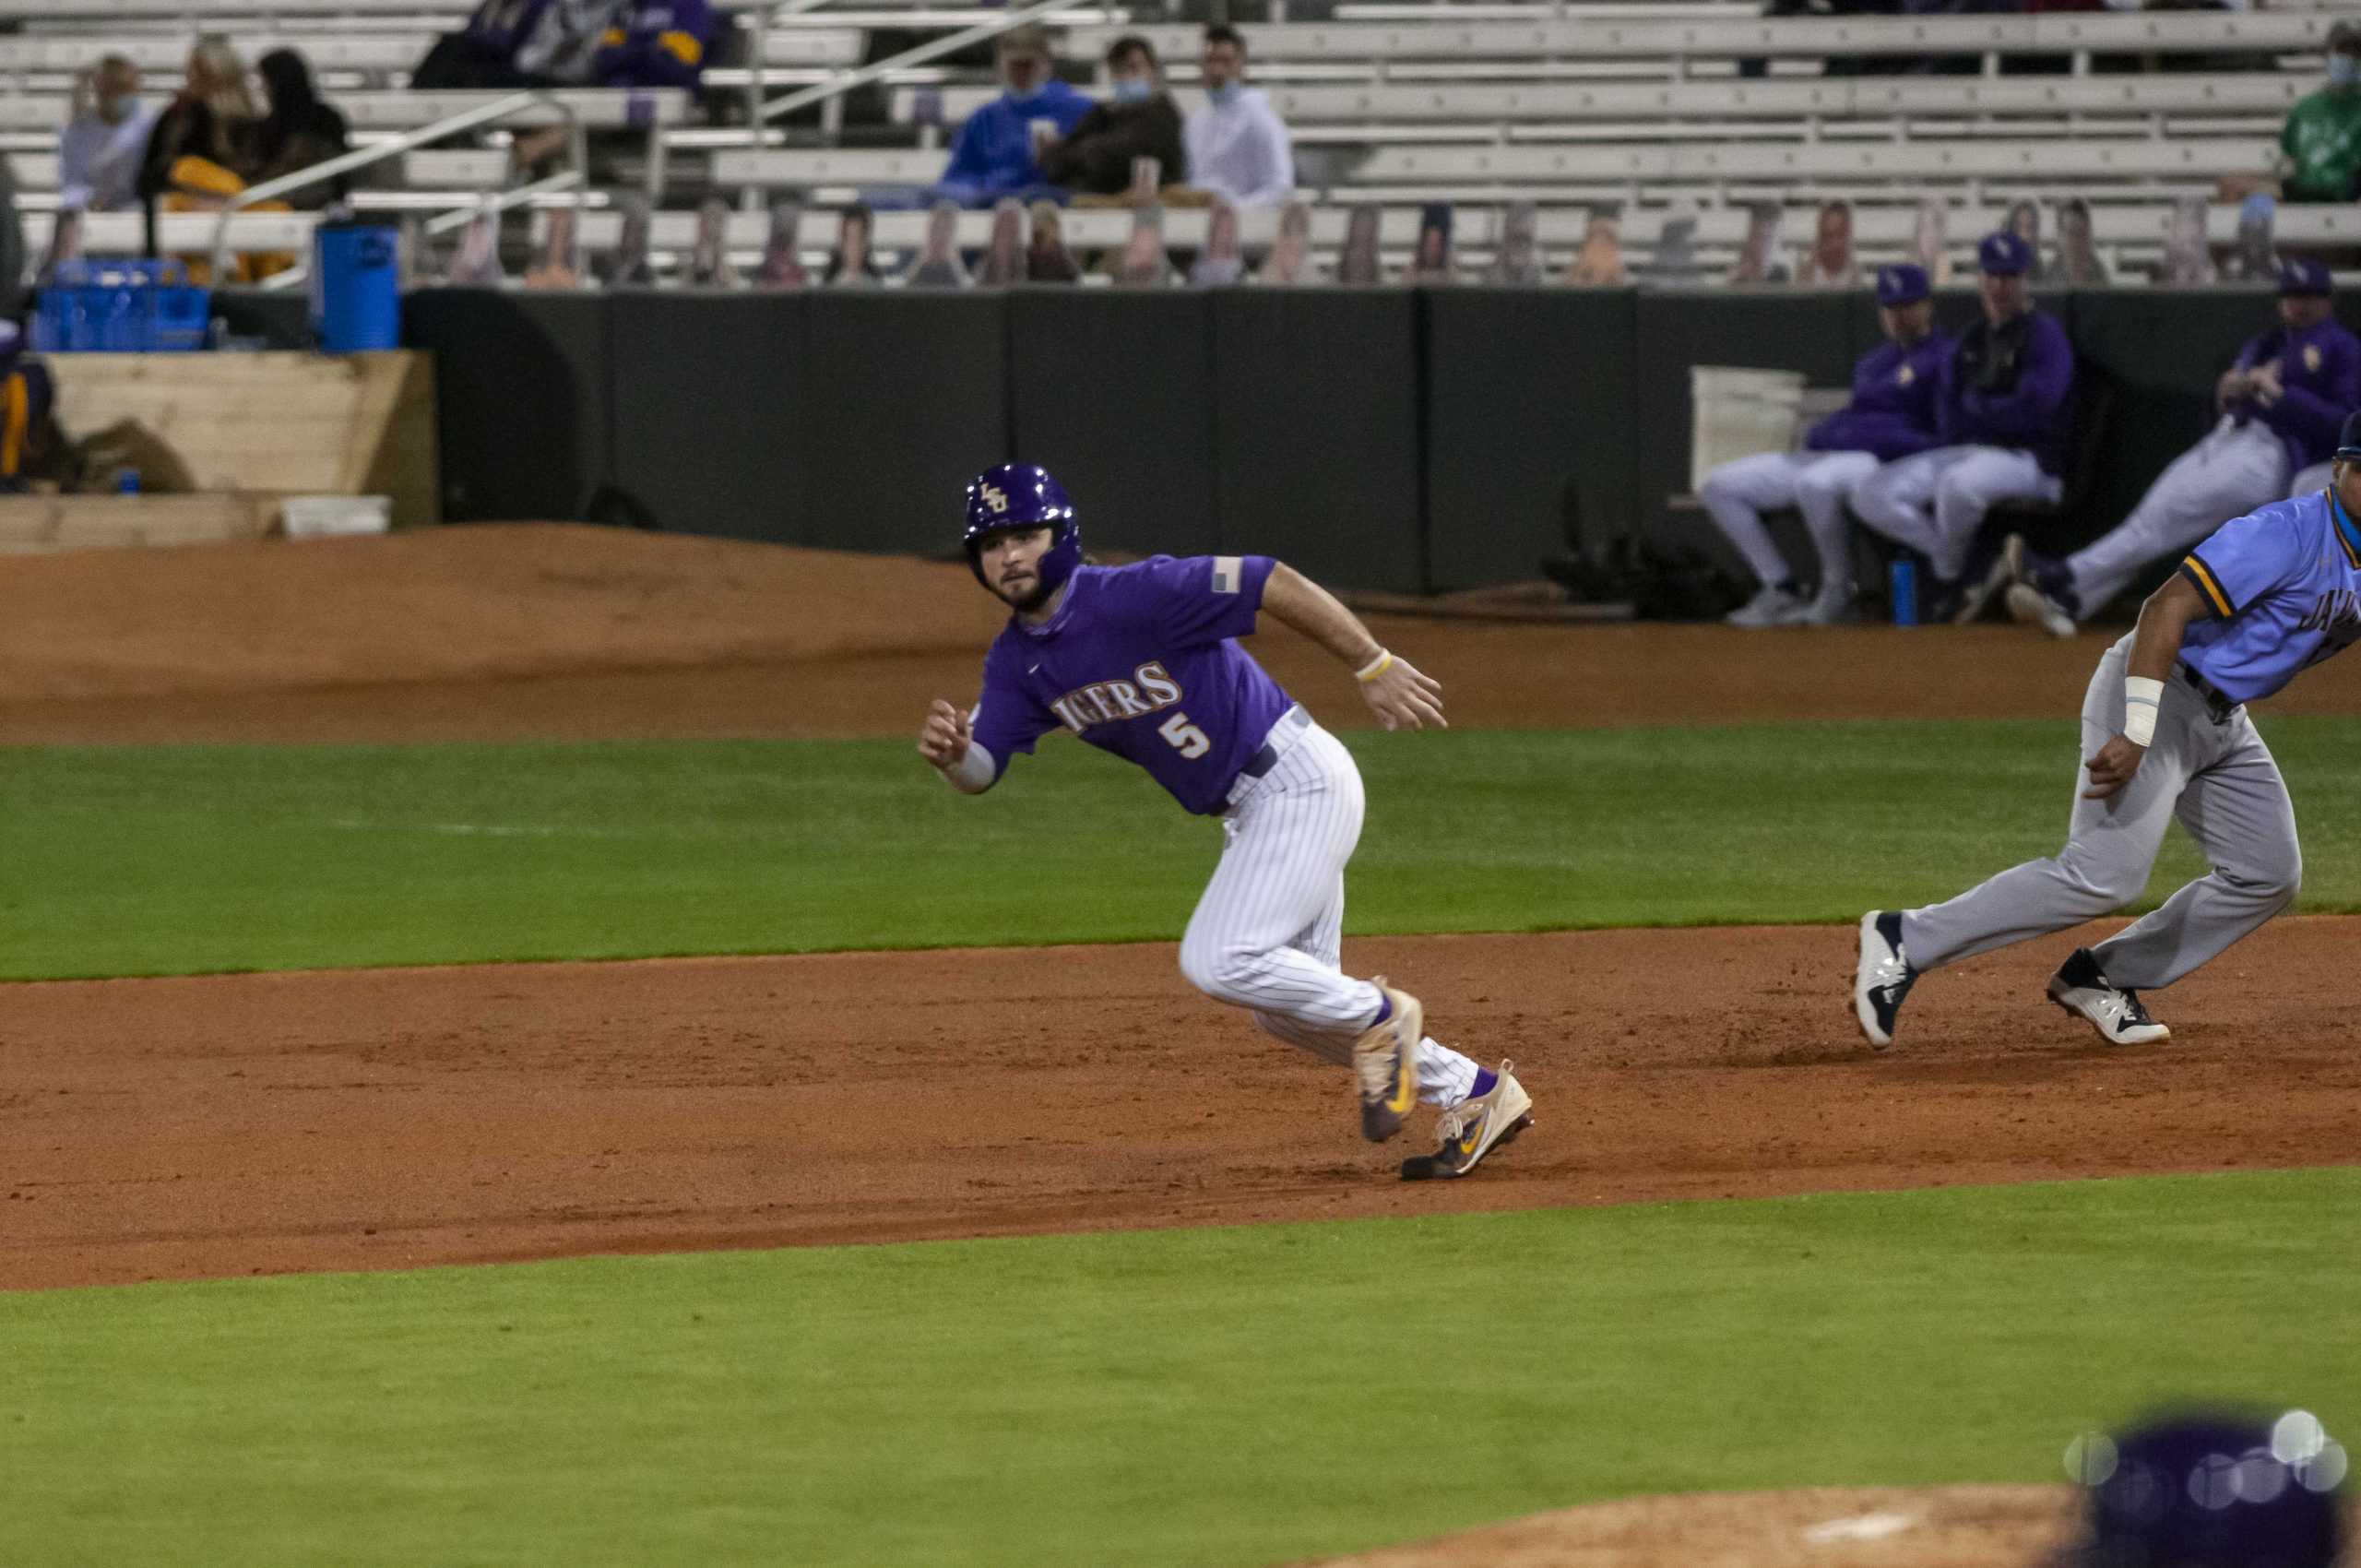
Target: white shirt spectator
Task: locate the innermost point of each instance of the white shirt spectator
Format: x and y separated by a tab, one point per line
98	162
1239	149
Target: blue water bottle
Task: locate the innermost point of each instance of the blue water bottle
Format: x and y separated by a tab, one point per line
127	481
1902	586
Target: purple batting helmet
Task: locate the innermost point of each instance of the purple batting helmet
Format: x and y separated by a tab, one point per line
2212	1490
1024	495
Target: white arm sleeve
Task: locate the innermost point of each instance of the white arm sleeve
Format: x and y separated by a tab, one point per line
973	773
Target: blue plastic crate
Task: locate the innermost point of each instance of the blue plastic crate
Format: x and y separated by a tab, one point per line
121	307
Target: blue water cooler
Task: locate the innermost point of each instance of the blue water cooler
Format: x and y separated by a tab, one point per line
356	287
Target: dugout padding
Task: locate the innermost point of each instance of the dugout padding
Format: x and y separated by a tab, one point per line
1317	433
710	436
523	388
1531	431
905	400
1114	393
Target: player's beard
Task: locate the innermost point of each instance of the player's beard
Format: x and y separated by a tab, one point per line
1032	600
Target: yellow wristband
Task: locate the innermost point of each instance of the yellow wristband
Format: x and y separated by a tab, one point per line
1375	667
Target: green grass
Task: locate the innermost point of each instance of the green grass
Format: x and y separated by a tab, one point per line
177	860
1227	1397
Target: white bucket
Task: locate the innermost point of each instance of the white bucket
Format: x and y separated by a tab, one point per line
335	516
1740	412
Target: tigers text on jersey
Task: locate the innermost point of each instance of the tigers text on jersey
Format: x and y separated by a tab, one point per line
1139	660
2283	583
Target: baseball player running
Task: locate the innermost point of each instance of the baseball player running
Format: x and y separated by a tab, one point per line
2007	386
2282	401
1140	660
2166	732
1892	415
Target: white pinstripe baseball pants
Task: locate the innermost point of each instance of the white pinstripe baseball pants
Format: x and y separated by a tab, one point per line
1269	930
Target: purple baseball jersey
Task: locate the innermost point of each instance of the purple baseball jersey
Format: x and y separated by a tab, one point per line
1892	411
1139	661
2320	370
2283	583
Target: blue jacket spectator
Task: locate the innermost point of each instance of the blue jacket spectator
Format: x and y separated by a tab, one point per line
655	44
482	53
995	154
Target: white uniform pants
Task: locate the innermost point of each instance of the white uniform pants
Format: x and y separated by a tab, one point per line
1934	502
1269	930
1816	484
2308	481
2235	470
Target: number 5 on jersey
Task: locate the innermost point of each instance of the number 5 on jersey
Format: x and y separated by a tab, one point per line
1186	738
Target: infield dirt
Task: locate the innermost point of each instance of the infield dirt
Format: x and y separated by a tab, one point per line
392	1118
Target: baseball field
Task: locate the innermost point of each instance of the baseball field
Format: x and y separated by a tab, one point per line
507	1056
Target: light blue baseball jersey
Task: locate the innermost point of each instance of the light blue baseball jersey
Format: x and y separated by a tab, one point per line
2283	583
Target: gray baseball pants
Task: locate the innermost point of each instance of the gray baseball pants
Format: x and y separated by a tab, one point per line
2206	765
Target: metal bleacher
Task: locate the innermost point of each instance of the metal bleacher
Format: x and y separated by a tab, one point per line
1635	104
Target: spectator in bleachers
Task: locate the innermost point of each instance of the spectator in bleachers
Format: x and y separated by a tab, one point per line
709	264
1931	243
203	148
100	151
2004	416
782	249
1516	259
2077	263
521	44
2188	258
851	266
1357	263
2024	222
654	43
1674	259
1140	120
996	154
482	53
1432	262
2283	402
1047	259
1142	264
1237	148
298	131
1891	415
26	399
1758	256
64	228
559	263
1003	260
1221	263
2319	146
1831	262
476	263
1290	257
937	265
632	263
1599	264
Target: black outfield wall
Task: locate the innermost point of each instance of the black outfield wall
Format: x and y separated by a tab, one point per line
1382	438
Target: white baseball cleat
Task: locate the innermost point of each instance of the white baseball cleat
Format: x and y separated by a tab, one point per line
1473	1128
2028	606
2083	989
1982	591
1769	607
1881	977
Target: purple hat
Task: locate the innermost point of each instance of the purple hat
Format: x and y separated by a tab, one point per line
2003	255
1901	284
2301	275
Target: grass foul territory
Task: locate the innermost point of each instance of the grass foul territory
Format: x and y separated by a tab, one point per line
1185	1397
195	858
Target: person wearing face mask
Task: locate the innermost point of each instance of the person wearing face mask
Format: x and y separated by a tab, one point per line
997	152
2320	144
1237	148
99	151
1139	121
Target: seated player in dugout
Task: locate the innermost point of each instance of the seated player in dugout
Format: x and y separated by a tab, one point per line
2281	402
2004	414
1891	415
2164	733
1141	662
